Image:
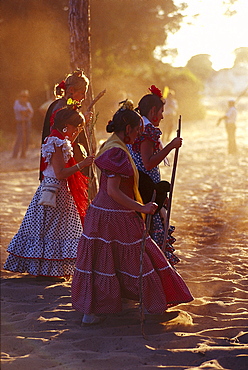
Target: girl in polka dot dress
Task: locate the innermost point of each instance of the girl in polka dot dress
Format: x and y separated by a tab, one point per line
46	243
108	260
147	153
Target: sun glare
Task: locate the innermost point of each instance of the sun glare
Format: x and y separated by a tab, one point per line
211	32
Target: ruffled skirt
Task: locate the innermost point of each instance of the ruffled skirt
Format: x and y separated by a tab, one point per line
108	266
46	243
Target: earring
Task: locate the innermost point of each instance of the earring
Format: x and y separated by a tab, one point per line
155	119
126	139
64	130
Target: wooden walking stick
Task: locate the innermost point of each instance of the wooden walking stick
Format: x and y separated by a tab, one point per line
173	175
92	177
142	251
94	101
88	138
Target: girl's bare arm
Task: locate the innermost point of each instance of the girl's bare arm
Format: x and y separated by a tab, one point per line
151	160
58	163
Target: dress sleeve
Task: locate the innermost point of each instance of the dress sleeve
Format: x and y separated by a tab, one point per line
49	148
150	133
115	161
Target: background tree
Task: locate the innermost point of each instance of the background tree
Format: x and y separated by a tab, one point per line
80	48
241	57
201	66
35	41
80	53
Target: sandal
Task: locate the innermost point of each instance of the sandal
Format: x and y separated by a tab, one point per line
91	319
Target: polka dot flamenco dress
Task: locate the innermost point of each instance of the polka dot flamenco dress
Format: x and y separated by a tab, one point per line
46	243
108	261
153	134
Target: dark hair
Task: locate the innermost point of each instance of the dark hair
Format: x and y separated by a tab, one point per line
148	102
67	116
77	79
123	117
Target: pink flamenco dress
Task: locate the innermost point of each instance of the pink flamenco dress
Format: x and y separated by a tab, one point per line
108	259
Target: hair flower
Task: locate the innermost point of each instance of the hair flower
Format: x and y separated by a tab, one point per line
61	85
154	90
127	104
74	104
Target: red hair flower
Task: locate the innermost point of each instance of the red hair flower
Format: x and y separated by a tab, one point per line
62	85
154	90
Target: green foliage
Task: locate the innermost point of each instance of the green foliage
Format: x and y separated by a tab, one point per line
127	31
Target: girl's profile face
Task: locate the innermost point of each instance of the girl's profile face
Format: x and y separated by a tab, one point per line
159	116
71	131
79	95
133	133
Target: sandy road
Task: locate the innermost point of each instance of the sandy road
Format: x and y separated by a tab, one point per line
210	213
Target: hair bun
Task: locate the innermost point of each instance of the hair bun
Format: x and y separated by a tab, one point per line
127	104
110	126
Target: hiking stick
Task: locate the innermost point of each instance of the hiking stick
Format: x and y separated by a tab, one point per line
89	133
94	101
92	176
173	175
143	247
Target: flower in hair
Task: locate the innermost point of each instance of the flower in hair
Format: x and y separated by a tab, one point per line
127	104
154	90
74	104
61	85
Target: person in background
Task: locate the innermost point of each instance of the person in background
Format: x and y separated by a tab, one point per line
108	261
23	115
170	114
147	154
230	123
46	243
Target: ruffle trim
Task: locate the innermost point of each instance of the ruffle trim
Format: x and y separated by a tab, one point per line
150	133
48	148
40	267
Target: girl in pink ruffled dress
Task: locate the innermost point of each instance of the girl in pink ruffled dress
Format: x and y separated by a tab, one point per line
108	260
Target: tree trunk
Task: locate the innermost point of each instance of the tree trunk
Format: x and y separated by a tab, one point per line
80	55
80	51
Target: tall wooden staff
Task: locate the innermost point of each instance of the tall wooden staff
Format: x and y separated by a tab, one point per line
173	175
142	251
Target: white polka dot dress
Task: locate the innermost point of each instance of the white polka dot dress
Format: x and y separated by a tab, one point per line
46	243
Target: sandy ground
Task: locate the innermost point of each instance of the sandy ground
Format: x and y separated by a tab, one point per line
40	330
